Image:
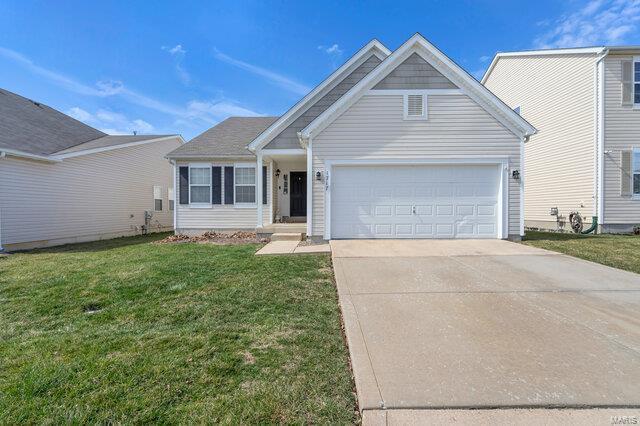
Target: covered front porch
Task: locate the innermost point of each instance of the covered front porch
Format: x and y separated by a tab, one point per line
288	191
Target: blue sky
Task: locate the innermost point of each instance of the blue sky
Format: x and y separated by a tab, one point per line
180	67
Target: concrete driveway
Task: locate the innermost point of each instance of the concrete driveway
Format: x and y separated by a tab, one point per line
486	324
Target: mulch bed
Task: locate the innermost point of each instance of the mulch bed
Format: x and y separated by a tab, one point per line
222	238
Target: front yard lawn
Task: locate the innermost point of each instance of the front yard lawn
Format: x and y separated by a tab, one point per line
619	251
134	332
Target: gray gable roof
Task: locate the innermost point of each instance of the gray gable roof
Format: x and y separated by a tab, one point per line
227	139
35	128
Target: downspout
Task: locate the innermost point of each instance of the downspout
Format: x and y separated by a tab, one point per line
3	155
175	196
598	212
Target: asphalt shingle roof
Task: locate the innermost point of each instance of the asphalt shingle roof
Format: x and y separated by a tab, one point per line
32	127
35	128
227	139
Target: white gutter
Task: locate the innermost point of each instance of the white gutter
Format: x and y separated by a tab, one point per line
599	145
15	153
114	147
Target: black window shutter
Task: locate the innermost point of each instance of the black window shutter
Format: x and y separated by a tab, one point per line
184	185
264	184
216	185
228	185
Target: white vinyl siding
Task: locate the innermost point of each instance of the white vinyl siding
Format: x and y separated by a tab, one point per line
621	133
374	128
219	216
556	95
84	198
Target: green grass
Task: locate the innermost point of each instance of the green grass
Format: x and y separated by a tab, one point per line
182	333
618	251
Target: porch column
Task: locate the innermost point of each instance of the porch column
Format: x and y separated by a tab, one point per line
259	188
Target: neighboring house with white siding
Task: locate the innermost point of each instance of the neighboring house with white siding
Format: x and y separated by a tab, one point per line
585	103
62	181
401	144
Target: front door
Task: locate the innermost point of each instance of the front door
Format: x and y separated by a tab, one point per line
298	194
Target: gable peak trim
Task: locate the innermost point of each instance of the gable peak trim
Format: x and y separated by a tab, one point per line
418	44
374	47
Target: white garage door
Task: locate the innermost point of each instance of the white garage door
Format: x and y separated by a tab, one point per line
434	201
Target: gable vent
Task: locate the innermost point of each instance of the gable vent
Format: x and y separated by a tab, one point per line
415	106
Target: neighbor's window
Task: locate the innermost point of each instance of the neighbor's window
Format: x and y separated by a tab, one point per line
157	198
636	81
200	184
415	106
171	199
636	171
245	184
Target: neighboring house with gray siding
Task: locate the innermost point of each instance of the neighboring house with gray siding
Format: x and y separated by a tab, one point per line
62	181
585	103
401	144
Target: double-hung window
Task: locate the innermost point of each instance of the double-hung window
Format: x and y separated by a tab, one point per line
636	82
157	198
200	184
245	184
635	172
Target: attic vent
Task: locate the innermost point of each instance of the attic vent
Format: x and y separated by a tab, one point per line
415	107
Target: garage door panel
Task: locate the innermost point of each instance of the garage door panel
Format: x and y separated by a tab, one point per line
444	210
424	210
404	230
383	210
426	201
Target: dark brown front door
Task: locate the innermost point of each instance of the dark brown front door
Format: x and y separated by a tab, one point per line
298	195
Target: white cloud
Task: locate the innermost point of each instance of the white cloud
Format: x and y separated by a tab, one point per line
104	88
176	50
217	110
178	53
484	58
334	52
334	49
599	22
192	115
273	77
111	122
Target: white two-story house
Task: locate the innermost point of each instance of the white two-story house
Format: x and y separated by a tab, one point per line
585	104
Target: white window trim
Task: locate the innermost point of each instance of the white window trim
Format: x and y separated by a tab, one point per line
405	107
636	105
200	166
171	197
155	199
236	204
634	195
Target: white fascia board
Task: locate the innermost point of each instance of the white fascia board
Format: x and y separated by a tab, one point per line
373	47
418	44
545	52
15	153
114	147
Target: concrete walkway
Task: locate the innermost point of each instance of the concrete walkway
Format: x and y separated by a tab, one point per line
292	247
486	324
